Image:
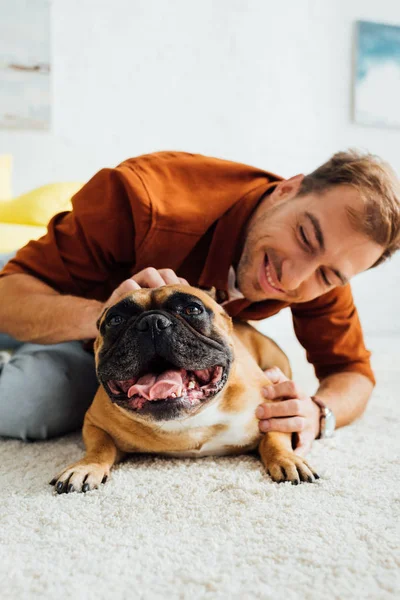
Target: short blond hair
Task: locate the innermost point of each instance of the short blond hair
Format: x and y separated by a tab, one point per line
379	187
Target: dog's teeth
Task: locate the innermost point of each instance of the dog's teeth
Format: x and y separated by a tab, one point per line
191	385
173	395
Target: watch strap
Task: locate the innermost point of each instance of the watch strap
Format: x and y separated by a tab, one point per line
322	413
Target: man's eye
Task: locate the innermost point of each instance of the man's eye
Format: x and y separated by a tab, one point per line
304	237
193	309
324	277
115	320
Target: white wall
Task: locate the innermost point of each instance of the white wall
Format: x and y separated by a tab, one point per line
257	81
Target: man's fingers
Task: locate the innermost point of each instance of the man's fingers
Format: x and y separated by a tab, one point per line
169	276
286	408
152	278
129	285
275	375
286	425
149	278
287	389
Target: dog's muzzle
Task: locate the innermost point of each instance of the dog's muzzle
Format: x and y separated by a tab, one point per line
162	367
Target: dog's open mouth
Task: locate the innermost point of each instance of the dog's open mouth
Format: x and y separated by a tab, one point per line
170	384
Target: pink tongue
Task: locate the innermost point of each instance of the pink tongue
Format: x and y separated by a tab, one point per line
159	387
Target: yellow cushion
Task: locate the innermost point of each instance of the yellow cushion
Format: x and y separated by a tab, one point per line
5	176
40	205
13	237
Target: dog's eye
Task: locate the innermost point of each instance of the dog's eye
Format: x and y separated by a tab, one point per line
193	309
115	320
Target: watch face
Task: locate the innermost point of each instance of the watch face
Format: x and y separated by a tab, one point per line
330	423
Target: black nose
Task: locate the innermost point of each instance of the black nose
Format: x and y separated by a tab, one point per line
155	321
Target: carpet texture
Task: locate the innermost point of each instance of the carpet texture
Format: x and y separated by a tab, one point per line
212	528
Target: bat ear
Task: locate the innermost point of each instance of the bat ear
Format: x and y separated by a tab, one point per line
212	292
99	319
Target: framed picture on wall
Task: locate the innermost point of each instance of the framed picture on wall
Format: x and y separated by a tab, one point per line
377	74
25	64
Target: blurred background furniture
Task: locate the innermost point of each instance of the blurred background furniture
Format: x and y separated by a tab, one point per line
25	217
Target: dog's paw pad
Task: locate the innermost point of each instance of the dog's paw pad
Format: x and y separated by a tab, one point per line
80	477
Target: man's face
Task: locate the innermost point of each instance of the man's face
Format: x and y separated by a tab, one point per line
298	248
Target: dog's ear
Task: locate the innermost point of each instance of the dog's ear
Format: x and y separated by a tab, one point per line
212	292
227	320
218	298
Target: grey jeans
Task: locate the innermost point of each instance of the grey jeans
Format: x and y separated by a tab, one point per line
45	390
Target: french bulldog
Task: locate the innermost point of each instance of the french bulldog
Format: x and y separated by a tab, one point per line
178	377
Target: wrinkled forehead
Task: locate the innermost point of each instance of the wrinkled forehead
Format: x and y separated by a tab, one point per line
165	297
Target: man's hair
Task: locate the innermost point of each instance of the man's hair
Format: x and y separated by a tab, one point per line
379	219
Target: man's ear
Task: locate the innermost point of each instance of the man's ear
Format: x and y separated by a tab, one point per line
288	188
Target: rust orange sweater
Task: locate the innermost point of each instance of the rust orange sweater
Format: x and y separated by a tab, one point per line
186	212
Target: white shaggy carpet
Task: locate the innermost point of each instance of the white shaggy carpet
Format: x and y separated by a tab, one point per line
212	528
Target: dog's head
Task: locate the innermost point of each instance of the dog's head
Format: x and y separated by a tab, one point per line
164	353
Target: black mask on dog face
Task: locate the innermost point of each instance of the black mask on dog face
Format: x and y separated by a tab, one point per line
164	360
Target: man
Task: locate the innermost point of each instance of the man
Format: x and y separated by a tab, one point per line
263	242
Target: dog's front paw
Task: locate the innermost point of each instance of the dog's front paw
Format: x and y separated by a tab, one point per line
80	477
287	466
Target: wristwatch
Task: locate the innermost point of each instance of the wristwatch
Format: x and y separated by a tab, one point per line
327	421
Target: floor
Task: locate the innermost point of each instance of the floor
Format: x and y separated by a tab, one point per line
213	528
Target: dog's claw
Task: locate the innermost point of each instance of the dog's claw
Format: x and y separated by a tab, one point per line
287	466
74	477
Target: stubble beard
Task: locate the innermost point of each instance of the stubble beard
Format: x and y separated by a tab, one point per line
247	270
246	275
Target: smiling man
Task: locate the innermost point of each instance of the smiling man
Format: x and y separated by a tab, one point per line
263	242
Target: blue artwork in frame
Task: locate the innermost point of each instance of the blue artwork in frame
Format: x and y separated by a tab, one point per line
377	74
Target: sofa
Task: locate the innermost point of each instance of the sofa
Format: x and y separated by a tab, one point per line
25	217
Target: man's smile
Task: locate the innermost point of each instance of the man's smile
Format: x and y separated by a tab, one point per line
267	277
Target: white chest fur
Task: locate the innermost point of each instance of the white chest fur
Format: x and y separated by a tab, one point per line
241	430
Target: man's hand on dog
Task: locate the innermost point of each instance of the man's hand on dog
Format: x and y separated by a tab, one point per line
147	278
296	412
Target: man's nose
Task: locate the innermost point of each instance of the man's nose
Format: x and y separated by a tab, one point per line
294	273
156	322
